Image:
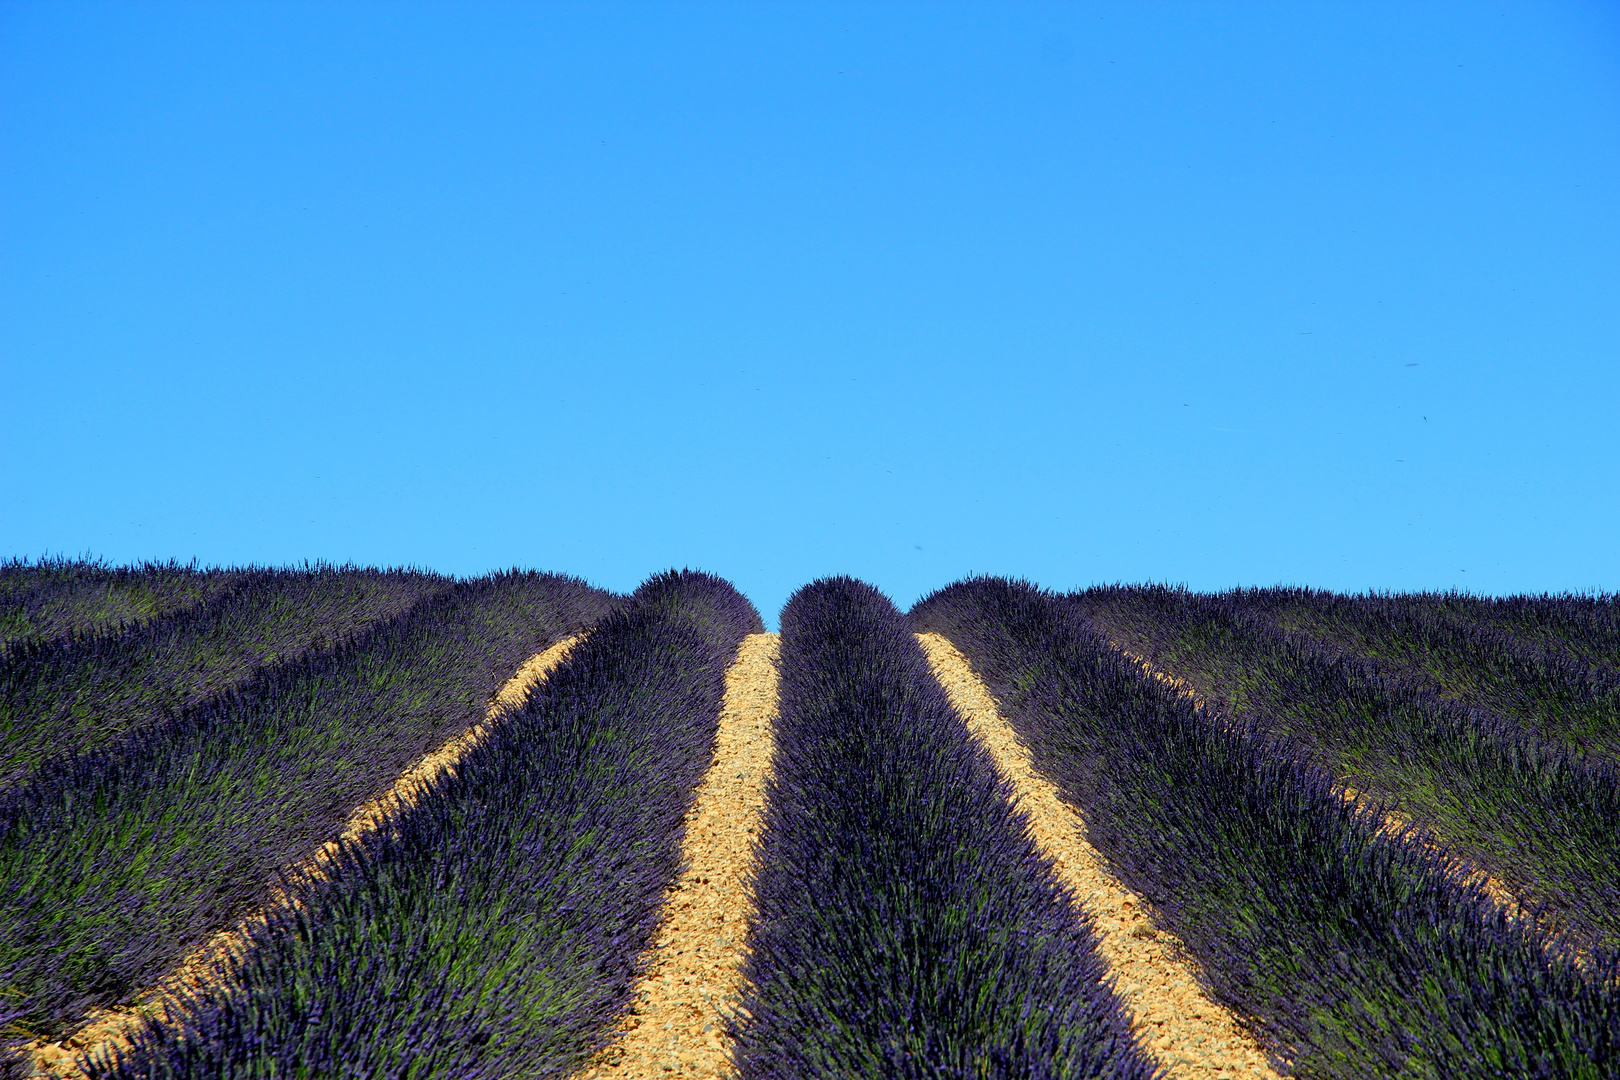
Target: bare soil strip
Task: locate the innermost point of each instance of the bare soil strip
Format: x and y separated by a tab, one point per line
694	974
204	964
1192	1036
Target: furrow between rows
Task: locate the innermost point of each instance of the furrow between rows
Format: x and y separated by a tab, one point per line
694	975
1193	1037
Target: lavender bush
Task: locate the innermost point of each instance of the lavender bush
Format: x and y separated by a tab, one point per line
1541	688
907	926
1532	814
1586	627
75	694
55	598
1350	953
115	863
493	929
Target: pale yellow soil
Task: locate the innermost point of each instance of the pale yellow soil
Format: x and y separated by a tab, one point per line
1192	1036
206	963
693	978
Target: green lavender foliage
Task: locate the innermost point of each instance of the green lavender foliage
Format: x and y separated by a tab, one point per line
114	864
1352	953
1544	689
55	597
1533	814
494	927
71	695
1586	626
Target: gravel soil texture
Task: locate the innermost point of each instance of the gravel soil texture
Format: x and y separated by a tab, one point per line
693	977
1192	1036
60	1059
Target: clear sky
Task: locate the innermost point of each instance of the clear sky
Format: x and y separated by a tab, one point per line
1221	294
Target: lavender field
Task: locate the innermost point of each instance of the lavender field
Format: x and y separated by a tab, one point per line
1381	832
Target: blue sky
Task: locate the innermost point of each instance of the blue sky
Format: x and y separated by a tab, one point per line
1222	294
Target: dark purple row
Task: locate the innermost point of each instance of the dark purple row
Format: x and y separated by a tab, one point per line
1350	953
1537	816
55	598
115	863
495	928
75	694
907	926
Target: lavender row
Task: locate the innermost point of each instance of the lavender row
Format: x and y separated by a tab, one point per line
1349	952
55	598
907	926
1533	815
493	929
75	694
114	864
1546	690
1586	627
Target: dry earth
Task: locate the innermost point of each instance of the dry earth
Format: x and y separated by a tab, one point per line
1192	1036
108	1028
693	975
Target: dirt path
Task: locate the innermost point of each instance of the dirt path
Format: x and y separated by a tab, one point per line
1195	1038
694	975
108	1027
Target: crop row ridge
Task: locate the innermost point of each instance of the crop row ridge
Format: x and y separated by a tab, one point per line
1388	821
1191	1035
212	962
